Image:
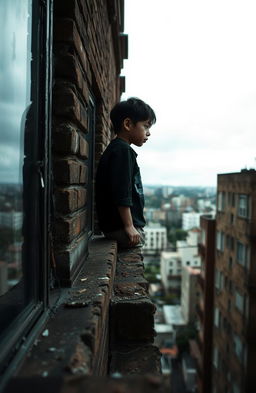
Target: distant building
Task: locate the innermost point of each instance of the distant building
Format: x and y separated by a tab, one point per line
190	220
234	335
188	249
167	190
173	217
11	219
170	268
173	316
189	372
155	237
171	262
189	293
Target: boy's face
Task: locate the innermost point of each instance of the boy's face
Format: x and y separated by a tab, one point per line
139	132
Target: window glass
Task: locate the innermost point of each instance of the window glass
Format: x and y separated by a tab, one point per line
243	206
221	201
238	347
241	253
15	100
220	241
240	301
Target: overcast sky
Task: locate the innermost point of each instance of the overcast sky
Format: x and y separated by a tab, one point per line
194	62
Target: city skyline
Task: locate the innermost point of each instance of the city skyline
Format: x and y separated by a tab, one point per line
193	63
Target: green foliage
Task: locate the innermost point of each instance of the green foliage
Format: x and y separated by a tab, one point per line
175	234
150	273
170	298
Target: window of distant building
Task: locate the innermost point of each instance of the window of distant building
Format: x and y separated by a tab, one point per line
239	301
24	124
229	305
238	347
221	201
236	388
241	253
220	241
215	357
243	206
188	263
230	262
203	236
229	242
219	279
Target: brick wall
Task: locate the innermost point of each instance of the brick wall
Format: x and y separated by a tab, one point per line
89	48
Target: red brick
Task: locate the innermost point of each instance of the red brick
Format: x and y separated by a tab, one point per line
68	66
68	171
83	148
68	200
66	141
68	228
67	104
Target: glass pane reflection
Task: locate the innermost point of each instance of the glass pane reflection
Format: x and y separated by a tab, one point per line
15	93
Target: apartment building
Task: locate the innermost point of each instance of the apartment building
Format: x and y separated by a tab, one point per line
170	268
234	343
190	220
172	262
188	249
155	237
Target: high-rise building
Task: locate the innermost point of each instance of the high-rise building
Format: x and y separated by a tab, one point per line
234	334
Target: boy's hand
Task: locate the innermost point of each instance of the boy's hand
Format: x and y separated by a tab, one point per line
133	235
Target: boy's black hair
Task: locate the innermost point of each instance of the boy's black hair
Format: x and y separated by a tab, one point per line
134	109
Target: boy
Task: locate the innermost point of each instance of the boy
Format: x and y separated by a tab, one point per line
119	192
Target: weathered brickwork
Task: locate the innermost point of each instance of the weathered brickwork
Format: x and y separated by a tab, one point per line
89	48
84	340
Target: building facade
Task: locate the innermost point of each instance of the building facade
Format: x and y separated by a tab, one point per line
170	269
234	351
188	249
190	220
155	238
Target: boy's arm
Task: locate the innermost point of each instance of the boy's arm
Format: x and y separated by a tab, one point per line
133	234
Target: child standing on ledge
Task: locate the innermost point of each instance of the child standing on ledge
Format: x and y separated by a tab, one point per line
119	192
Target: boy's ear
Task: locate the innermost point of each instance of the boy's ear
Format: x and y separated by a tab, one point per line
127	124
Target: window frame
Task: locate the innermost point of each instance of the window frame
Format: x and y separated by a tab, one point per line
26	326
243	206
